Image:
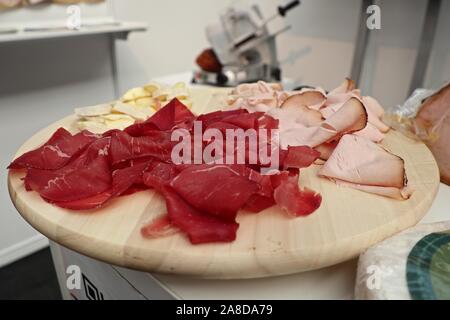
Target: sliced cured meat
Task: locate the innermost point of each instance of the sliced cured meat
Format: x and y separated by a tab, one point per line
198	226
159	227
375	126
374	106
295	201
174	114
364	164
371	132
88	203
299	157
257	203
267	122
160	174
326	149
350	117
199	186
155	143
122	181
312	99
56	152
347	85
390	192
290	116
216	116
86	176
258	95
244	121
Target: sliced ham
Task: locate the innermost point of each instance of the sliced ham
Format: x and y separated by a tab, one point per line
347	85
360	163
351	117
312	99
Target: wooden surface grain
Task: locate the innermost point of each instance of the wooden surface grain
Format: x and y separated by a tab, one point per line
268	244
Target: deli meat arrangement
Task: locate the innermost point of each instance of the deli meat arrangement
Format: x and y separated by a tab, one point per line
339	131
343	126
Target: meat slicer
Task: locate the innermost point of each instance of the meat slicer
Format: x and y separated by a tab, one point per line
242	48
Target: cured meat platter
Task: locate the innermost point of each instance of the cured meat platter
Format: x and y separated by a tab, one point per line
347	222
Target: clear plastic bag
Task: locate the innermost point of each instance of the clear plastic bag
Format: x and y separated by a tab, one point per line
403	117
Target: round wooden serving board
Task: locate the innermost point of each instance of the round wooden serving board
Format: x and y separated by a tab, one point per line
267	244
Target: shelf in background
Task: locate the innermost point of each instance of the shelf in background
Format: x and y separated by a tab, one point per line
119	29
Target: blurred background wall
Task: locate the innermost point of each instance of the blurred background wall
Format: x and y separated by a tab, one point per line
41	81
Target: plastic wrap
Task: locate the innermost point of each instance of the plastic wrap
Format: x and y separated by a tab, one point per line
425	116
402	117
398	267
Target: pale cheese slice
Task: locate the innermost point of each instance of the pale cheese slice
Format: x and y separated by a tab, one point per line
96	110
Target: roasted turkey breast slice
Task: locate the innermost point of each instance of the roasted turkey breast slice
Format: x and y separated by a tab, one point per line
359	161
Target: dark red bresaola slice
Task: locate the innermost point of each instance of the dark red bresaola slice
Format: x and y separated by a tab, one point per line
122	181
200	227
174	114
292	199
159	227
257	203
209	118
125	147
86	176
299	157
160	174
56	152
215	189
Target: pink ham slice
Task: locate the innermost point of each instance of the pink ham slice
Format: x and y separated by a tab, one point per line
362	164
351	117
347	85
312	99
56	152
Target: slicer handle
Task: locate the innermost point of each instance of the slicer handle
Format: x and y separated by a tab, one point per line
282	10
